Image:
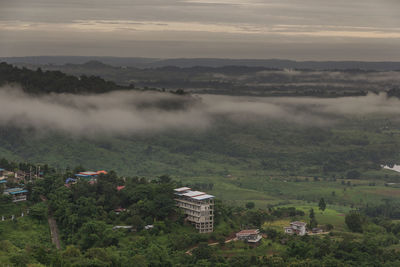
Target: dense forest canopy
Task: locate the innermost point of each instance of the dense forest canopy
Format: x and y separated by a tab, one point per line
87	213
42	82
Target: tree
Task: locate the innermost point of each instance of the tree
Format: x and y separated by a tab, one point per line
39	211
354	221
329	227
203	251
250	205
164	179
313	221
353	174
322	204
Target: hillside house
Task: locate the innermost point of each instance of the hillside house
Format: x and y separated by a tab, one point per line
250	236
198	208
89	176
17	193
2	173
298	228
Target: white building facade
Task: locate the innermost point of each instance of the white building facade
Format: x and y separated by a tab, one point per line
298	228
198	207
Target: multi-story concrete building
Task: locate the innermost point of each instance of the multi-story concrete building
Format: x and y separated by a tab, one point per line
298	228
198	207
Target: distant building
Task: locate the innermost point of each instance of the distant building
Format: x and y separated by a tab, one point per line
198	207
21	175
149	226
70	180
122	227
1	173
250	236
119	210
89	176
298	228
18	194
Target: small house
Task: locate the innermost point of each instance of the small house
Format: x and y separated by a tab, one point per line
89	176
250	236
119	210
17	193
149	226
1	173
298	228
119	188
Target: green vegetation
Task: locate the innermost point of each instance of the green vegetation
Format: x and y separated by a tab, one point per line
264	175
270	163
85	214
40	82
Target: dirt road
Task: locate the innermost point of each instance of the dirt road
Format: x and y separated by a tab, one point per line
189	252
55	238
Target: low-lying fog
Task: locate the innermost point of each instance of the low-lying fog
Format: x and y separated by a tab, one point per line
127	112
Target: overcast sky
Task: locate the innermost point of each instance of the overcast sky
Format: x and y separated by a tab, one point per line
290	29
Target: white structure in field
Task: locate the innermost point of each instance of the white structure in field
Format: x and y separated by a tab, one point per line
298	228
198	207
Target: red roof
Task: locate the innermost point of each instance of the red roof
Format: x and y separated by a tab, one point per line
119	210
101	172
120	187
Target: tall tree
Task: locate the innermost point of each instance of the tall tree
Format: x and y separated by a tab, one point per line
313	221
354	221
322	204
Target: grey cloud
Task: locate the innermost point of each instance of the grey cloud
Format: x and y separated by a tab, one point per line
274	16
125	113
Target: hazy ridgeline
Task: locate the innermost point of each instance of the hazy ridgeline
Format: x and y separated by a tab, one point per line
243	80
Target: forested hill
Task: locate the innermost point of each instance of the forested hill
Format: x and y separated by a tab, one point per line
41	82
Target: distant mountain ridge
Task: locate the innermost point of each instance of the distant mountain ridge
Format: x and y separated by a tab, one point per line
139	62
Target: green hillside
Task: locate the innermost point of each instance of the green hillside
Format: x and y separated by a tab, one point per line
265	161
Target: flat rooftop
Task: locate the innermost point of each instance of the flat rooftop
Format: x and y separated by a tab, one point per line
14	191
197	195
182	189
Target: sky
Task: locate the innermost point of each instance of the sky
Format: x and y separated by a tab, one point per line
367	30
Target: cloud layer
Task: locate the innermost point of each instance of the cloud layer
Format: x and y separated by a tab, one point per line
310	29
125	113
